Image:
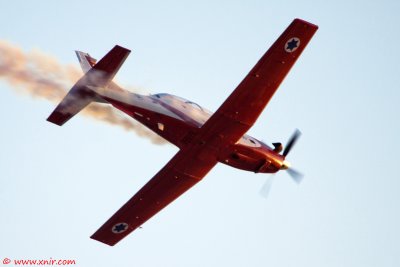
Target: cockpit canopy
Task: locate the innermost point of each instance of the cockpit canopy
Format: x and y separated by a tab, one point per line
186	107
174	99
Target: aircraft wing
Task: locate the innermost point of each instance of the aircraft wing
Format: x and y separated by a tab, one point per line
242	108
184	170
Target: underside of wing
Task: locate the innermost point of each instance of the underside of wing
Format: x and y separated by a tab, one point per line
242	108
183	171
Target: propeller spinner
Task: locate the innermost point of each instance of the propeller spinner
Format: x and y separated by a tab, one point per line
294	174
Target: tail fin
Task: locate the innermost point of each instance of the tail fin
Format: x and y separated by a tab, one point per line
86	61
82	93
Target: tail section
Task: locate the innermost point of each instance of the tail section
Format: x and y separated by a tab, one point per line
97	76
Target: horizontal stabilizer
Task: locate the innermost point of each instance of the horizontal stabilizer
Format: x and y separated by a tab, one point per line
110	64
76	100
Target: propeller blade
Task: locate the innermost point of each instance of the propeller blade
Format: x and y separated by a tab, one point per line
292	141
267	186
295	175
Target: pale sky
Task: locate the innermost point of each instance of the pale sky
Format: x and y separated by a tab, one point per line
58	185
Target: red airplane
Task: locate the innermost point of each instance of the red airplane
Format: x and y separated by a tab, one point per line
204	138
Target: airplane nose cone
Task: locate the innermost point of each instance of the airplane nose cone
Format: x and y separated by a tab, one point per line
285	165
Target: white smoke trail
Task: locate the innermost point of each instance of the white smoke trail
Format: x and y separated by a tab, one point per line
42	76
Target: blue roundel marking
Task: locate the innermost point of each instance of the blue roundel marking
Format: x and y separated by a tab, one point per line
119	228
292	44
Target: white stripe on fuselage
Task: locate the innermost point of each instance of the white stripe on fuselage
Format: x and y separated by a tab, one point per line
181	105
137	100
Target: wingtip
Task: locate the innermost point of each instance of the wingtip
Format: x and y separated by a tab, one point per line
306	22
102	241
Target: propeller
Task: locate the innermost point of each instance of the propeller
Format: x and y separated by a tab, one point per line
294	174
292	141
266	188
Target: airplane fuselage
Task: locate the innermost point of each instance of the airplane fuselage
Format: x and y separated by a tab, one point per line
177	120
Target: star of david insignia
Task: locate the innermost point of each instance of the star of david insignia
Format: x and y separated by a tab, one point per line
119	228
292	44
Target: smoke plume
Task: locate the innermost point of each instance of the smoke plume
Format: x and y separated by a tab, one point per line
42	76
